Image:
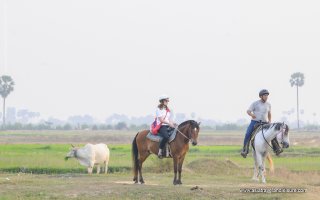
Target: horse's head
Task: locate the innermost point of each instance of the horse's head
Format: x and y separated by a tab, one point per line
194	132
283	134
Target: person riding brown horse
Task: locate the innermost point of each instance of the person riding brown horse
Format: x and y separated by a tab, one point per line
164	119
142	147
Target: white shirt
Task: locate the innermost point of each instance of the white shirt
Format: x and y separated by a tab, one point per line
260	110
162	113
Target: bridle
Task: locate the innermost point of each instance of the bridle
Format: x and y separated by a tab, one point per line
188	138
282	132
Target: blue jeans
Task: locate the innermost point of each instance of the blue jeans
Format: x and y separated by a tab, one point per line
164	133
249	131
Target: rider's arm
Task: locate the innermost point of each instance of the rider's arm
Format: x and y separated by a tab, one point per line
250	110
162	120
250	113
172	123
169	122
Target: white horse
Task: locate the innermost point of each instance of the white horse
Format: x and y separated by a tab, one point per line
261	146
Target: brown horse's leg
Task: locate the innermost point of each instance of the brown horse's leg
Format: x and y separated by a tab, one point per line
180	169
175	169
141	160
135	177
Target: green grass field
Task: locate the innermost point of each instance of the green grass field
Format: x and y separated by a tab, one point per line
49	159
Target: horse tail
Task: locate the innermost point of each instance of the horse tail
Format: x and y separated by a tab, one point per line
135	153
270	163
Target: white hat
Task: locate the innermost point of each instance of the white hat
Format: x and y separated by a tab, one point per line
164	96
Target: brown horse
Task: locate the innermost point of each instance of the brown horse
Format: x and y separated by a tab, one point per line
142	147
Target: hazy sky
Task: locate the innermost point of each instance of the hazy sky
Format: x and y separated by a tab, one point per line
72	57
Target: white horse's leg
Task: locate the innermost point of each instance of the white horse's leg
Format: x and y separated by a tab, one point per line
263	178
255	172
259	163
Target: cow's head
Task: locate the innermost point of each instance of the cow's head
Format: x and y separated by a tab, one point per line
72	153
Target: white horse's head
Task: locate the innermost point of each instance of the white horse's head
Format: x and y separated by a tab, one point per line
283	134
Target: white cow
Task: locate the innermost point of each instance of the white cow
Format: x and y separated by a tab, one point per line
90	155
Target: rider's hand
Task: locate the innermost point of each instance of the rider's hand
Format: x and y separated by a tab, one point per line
253	116
171	125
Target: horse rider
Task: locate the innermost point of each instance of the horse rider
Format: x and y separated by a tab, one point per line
259	111
164	116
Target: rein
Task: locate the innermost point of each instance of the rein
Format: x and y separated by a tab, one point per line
265	138
182	134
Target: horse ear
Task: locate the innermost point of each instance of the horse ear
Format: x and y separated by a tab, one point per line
72	145
199	123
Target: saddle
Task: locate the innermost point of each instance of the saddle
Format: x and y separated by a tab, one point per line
157	138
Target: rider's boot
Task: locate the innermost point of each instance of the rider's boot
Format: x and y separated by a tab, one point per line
245	150
160	154
276	147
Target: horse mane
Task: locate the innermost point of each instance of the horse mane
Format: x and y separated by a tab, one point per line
278	127
193	123
266	126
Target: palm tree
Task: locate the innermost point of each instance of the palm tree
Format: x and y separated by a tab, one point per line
297	79
6	87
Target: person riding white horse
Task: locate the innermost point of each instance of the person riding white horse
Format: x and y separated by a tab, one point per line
261	145
259	111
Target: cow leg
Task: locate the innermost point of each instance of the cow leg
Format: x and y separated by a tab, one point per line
90	170
98	169
105	167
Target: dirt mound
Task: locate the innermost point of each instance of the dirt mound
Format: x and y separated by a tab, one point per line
214	167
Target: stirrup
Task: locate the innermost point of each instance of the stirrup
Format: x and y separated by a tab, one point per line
160	154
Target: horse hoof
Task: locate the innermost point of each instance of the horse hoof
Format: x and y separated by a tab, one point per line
142	181
175	183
